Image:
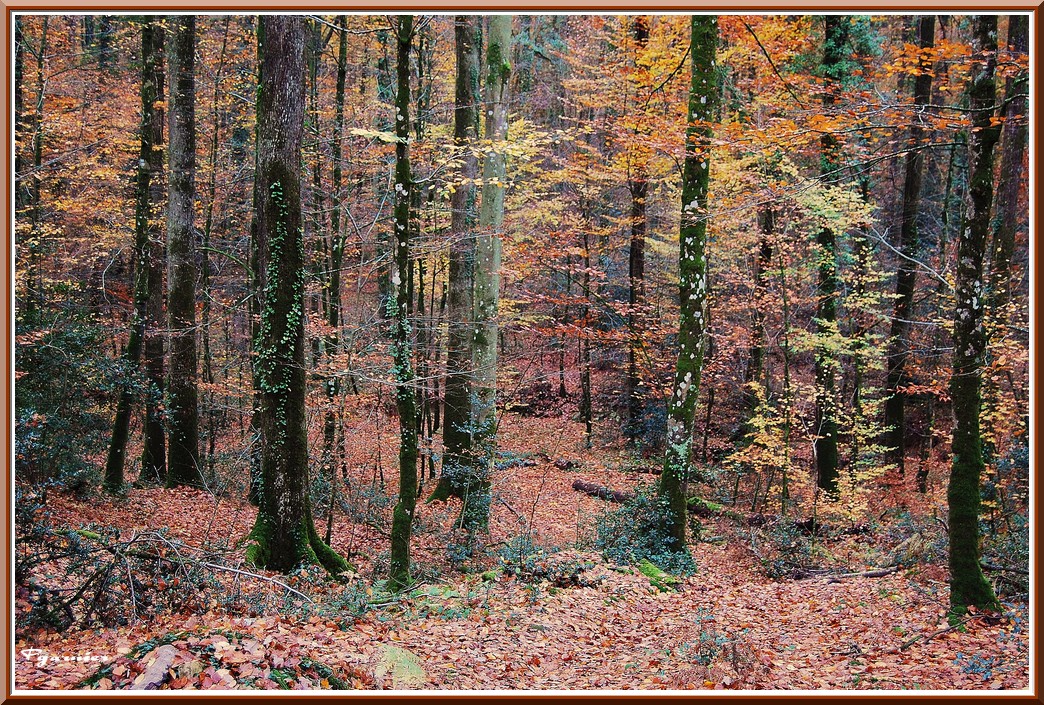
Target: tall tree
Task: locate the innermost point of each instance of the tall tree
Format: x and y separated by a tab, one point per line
834	69
968	586
692	274
284	534
457	421
336	260
149	160
487	269
182	388
638	186
1014	135
154	448
909	249
405	392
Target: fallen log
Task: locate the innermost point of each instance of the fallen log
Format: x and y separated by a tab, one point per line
602	492
644	469
877	573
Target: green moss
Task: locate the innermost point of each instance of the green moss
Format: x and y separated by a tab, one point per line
660	579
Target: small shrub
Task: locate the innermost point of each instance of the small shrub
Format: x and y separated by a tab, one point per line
635	532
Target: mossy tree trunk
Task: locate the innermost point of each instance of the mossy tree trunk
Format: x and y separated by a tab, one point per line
405	392
828	284
457	420
968	586
284	534
692	272
182	386
144	229
475	513
909	248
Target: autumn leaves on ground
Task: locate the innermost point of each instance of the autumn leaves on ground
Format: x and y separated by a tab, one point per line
542	609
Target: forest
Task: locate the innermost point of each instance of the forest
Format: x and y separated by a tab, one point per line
521	352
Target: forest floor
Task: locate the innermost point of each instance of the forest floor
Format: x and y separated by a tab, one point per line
563	618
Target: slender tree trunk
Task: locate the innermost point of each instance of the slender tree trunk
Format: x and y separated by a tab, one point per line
1015	134
457	421
154	450
638	185
204	278
284	534
827	287
909	248
692	271
475	514
143	227
33	246
586	404
333	449
182	389
754	374
21	192
968	586
405	393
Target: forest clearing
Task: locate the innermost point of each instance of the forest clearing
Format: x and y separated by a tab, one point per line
522	352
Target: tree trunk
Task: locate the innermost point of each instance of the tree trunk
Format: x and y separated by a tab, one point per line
754	374
968	586
638	185
405	393
692	271
149	159
1015	133
284	534
207	370
475	514
182	392
154	450
333	449
457	421
834	61
909	248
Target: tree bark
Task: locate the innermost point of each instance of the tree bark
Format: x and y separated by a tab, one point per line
828	285
182	387
405	393
1014	135
638	186
475	513
692	271
457	421
284	534
968	586
154	450
144	228
909	248
333	449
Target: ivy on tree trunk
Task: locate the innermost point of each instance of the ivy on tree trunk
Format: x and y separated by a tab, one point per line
284	534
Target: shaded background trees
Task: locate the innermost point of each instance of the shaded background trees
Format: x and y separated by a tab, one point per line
808	359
